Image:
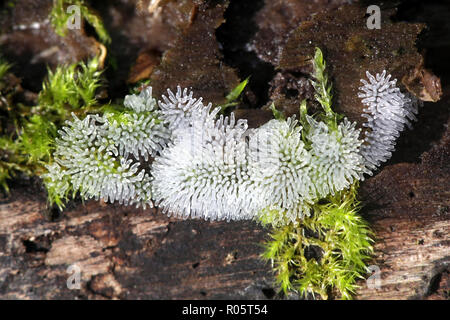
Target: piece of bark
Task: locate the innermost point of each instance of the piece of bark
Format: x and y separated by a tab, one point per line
408	206
278	18
127	253
350	49
143	68
136	31
195	60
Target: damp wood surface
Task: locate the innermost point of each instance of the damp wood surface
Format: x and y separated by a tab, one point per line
127	253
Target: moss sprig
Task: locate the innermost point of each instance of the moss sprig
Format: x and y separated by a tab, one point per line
70	88
323	89
5	66
326	252
232	98
326	249
11	162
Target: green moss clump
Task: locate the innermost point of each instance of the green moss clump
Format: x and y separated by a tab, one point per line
29	144
70	88
9	163
59	17
326	251
4	68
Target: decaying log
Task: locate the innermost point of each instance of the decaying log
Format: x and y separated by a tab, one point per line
122	253
129	253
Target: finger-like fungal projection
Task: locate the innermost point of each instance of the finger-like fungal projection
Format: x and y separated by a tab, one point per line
388	111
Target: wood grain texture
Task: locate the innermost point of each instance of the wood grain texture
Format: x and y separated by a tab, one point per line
408	206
